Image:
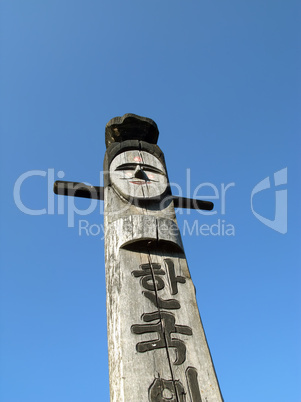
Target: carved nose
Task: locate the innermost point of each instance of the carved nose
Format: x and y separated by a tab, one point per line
139	174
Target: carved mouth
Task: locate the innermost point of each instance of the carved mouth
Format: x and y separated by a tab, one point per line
140	182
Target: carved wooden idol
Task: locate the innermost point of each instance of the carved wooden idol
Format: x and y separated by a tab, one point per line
157	346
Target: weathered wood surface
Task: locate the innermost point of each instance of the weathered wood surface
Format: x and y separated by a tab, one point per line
157	346
120	128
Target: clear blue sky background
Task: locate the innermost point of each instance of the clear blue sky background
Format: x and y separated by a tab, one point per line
222	81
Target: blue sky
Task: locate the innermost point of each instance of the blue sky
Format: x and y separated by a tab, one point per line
222	81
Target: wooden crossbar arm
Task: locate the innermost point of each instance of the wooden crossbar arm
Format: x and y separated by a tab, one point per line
77	189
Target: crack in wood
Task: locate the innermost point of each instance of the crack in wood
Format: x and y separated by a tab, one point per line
162	322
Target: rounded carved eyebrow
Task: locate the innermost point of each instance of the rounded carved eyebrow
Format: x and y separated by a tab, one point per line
132	166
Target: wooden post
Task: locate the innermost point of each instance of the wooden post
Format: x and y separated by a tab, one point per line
157	346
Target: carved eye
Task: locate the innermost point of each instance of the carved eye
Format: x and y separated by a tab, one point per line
132	166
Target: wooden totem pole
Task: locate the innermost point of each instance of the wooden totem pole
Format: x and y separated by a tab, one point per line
157	346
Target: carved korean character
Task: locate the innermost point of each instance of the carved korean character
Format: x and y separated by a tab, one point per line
174	280
162	390
166	391
170	304
164	328
150	276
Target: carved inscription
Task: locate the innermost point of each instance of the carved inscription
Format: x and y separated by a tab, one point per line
172	277
164	328
163	324
150	276
151	279
162	390
166	391
193	385
170	304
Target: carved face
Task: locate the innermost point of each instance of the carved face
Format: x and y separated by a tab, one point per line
138	174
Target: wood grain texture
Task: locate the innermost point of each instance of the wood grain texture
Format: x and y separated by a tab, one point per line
157	345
